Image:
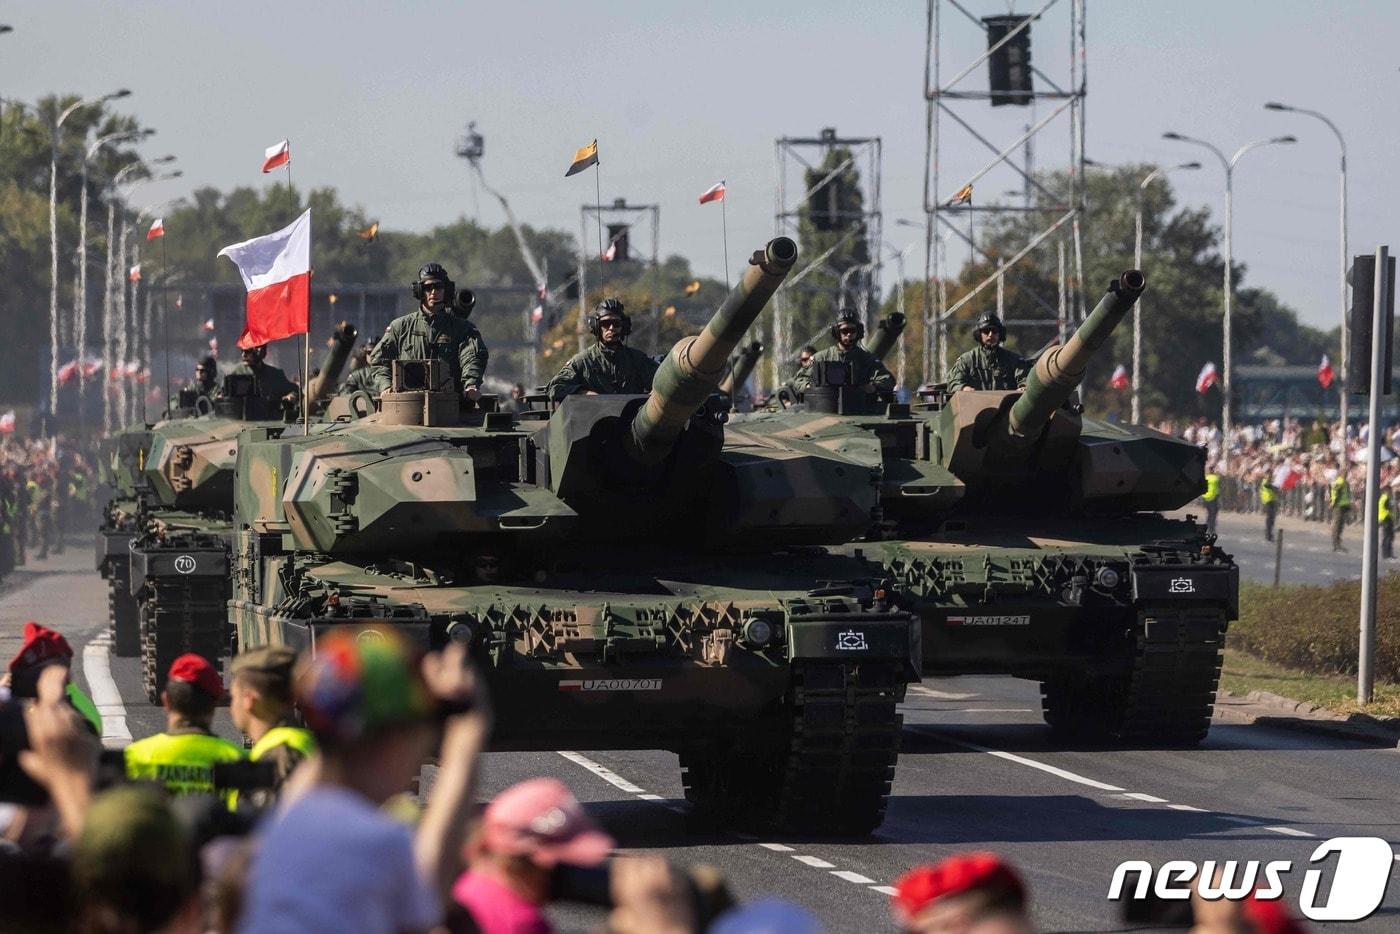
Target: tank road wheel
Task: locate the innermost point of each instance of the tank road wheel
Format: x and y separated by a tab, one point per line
1165	699
180	616
123	614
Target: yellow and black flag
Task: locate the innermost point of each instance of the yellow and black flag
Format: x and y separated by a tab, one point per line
692	287
964	196
585	157
370	233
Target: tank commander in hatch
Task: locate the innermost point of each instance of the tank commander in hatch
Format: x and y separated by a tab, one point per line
433	331
269	382
609	366
989	365
866	370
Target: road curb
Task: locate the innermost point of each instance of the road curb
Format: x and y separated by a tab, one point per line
1287	713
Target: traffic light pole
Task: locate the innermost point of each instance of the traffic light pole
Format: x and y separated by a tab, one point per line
1380	339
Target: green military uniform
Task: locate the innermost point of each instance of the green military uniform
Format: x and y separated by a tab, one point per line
1385	514
269	383
865	368
604	370
419	335
182	760
1268	499
360	379
1211	497
1340	500
985	367
9	510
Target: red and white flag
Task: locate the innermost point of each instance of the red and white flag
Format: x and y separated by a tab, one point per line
610	253
134	273
714	193
276	155
276	270
214	346
91	366
208	324
67	372
7	423
132	368
537	314
157	229
1119	380
1206	378
1324	372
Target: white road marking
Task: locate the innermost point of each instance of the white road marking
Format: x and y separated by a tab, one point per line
1288	831
1021	760
777	847
1139	796
855	877
1246	821
603	772
813	861
651	797
891	890
1187	807
97	669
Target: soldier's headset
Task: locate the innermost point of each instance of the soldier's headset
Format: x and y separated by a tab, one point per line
608	308
435	271
846	319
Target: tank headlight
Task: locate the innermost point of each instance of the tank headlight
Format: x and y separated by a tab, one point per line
460	632
1106	578
758	632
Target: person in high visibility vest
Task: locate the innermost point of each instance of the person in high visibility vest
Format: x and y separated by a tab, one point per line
1339	498
260	703
1385	513
1211	497
1268	499
183	757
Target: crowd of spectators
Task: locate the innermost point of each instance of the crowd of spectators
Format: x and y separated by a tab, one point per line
46	490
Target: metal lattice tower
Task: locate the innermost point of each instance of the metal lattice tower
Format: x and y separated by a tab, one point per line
866	157
1057	214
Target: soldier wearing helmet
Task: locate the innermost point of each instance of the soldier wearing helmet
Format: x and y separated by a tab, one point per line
609	366
269	382
433	332
361	378
989	365
866	370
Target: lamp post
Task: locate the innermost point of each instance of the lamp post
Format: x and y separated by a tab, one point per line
1345	356
54	129
1136	417
1228	164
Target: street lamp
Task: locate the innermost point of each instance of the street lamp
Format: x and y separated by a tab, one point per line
54	128
1136	417
1228	164
1342	267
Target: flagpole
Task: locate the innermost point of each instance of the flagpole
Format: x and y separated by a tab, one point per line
306	368
598	187
165	312
724	222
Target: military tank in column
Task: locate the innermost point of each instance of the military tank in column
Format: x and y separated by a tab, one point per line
624	578
121	467
1031	539
179	560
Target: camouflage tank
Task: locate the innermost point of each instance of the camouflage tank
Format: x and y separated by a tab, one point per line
179	558
1031	539
121	467
586	556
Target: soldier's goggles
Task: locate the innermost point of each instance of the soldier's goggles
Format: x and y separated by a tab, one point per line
846	330
434	286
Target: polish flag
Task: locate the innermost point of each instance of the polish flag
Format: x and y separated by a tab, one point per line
208	324
7	423
115	373
131	368
277	155
537	314
276	270
1206	378
91	366
1119	380
134	273
610	253
157	229
1324	372
714	193
214	346
67	372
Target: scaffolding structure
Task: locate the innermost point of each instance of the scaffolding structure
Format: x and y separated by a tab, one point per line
867	158
619	213
1057	214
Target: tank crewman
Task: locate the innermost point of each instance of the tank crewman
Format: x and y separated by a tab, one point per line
1268	500
433	331
1211	497
269	382
866	370
260	703
361	378
989	365
1385	514
183	757
206	377
609	366
1339	498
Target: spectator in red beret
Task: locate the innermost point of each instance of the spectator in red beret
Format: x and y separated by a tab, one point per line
970	893
42	648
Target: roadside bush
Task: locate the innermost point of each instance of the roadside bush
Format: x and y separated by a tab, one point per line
1317	628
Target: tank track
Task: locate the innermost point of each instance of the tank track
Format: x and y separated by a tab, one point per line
179	616
123	613
1165	699
827	773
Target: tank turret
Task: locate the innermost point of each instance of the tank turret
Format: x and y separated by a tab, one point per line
886	335
338	349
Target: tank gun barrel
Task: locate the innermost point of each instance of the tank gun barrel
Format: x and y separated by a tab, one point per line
744	362
694	367
1059	371
333	364
886	335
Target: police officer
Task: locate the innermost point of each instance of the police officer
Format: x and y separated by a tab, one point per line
1385	514
609	366
433	332
866	370
1268	499
1339	498
260	704
989	365
183	757
1211	497
269	382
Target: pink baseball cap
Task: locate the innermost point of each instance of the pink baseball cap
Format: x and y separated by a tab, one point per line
542	820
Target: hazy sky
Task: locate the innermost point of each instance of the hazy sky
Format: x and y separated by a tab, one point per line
682	94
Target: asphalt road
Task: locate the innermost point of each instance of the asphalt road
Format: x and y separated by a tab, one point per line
977	772
1307	551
